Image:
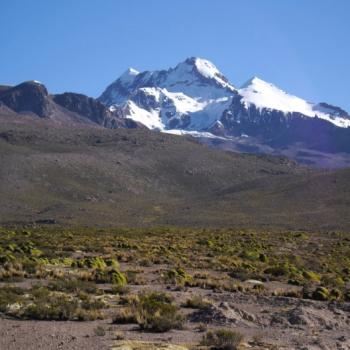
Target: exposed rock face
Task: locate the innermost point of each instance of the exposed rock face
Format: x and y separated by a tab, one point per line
83	105
29	96
32	98
278	129
223	314
94	110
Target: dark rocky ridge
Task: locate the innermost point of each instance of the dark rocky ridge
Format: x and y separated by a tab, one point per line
33	98
94	110
28	97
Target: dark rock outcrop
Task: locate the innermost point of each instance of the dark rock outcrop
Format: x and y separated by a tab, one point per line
83	105
30	96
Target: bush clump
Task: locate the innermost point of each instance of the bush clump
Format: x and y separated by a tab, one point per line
177	276
125	315
222	339
72	286
197	302
59	308
10	295
110	275
91	262
156	312
311	276
321	293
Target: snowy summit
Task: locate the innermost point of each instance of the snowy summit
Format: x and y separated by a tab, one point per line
196	97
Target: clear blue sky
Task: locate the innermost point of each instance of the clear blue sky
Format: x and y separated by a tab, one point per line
303	46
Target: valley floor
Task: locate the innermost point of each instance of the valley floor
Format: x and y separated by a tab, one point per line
67	289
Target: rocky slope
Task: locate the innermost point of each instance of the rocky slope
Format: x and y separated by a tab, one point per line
32	98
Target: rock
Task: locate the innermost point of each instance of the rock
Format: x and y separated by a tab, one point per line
255	282
223	314
30	96
138	345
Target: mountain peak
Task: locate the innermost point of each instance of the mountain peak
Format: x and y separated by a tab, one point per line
255	81
205	66
264	95
36	82
206	69
128	75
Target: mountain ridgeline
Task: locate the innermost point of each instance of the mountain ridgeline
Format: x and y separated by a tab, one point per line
195	98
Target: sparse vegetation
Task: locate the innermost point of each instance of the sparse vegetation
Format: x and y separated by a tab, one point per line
222	339
197	302
125	315
156	312
239	256
89	274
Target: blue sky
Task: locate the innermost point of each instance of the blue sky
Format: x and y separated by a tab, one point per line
303	46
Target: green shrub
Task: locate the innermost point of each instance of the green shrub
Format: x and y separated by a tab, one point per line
311	276
112	263
11	272
72	286
10	295
250	255
30	266
197	302
283	270
88	303
277	271
125	315
321	293
177	276
120	289
335	294
6	258
88	315
61	307
91	262
156	312
222	339
263	257
68	262
40	292
55	307
110	275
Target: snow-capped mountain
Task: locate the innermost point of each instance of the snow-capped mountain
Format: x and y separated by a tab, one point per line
196	98
190	96
263	95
